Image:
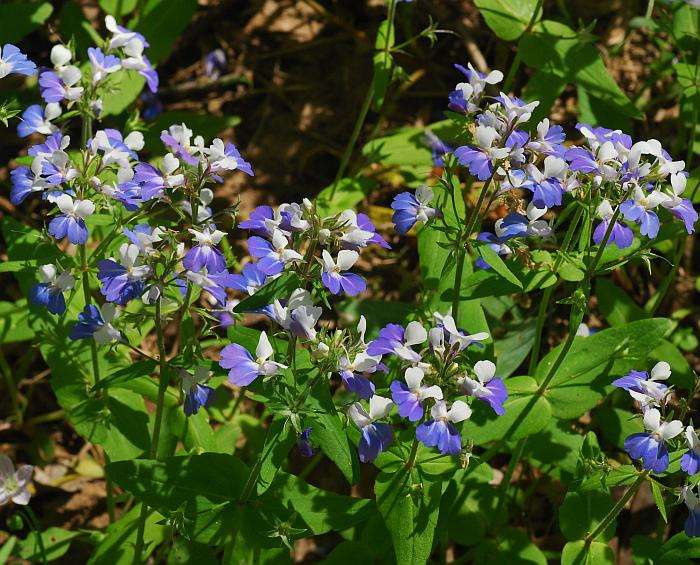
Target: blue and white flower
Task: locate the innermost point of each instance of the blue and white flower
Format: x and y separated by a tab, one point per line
409	396
439	432
487	386
197	394
71	223
36	119
12	60
96	324
336	279
410	209
376	436
13	484
49	292
243	369
690	462
650	446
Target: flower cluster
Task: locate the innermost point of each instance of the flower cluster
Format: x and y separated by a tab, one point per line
649	390
609	171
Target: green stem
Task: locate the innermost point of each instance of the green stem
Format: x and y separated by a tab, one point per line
11	389
311	465
515	65
162	389
464	237
362	116
514	460
411	462
88	300
549	292
34	524
602	526
650	9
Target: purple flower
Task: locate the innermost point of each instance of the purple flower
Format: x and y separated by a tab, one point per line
214	283
178	138
650	446
215	64
25	181
644	388
393	340
125	280
438	148
137	61
225	157
365	224
36	119
410	209
692	501
486	386
56	87
410	395
153	182
639	210
205	254
304	444
12	60
243	368
197	394
375	437
439	432
457	338
102	64
95	324
353	374
261	221
482	158
690	462
298	315
250	280
273	255
600	161
621	235
49	292
549	140
334	278
152	107
517	225
71	223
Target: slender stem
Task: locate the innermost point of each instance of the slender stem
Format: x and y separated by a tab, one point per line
456	299
601	527
311	465
514	460
549	292
88	300
411	462
345	159
162	389
34	524
236	404
650	9
464	237
515	65
11	389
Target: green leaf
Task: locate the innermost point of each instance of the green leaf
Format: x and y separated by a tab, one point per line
474	507
588	369
348	194
545	88
184	552
513	546
555	48
582	512
124	6
18	19
280	287
678	550
486	283
409	504
383	62
497	264
329	433
688	78
509	19
658	499
555	450
617	305
117	548
15	319
616	423
526	413
323	511
124	88
56	542
162	22
580	553
278	442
